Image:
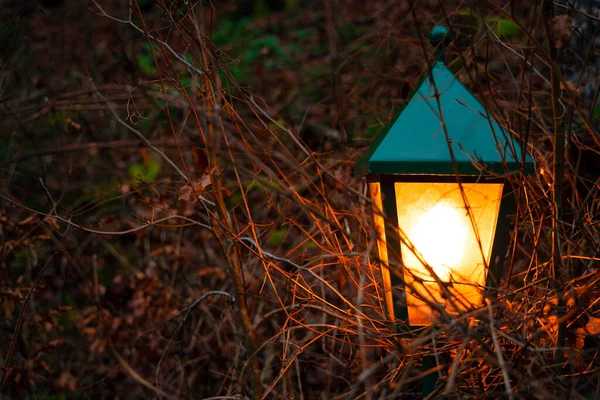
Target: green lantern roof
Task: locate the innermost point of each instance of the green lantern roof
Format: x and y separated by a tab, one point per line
416	142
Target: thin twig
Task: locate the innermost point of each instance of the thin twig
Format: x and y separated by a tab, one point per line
499	354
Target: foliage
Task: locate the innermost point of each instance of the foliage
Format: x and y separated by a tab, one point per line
178	216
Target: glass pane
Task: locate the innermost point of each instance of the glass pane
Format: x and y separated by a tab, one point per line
375	189
448	233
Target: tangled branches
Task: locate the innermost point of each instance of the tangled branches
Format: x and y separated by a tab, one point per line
204	192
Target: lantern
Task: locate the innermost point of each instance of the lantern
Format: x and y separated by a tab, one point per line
437	180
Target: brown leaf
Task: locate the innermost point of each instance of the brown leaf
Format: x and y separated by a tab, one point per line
74	124
89	331
186	193
52	221
55	342
560	28
66	381
203	183
27	221
208	271
5	221
45	366
340	177
125	188
569	86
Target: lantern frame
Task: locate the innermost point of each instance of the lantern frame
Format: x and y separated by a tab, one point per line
443	135
393	278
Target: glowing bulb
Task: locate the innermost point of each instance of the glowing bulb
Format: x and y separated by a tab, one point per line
440	236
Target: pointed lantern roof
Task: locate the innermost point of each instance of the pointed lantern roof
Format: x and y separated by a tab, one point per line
417	142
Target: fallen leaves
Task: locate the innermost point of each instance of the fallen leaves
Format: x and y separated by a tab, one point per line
559	30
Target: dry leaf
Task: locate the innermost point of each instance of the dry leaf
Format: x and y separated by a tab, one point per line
55	342
208	271
125	188
89	331
52	221
74	124
560	28
186	193
340	177
27	221
202	183
5	221
569	86
66	381
45	366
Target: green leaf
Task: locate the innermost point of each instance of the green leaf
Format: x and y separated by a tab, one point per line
469	21
144	172
254	184
255	50
241	73
146	64
506	28
310	245
145	59
261	183
234	200
373	130
277	237
270	184
153	168
228	32
136	170
305	33
20	259
145	124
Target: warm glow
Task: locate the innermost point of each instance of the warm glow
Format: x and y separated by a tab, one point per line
440	236
455	243
375	189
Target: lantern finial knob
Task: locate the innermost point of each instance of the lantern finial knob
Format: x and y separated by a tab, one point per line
440	37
